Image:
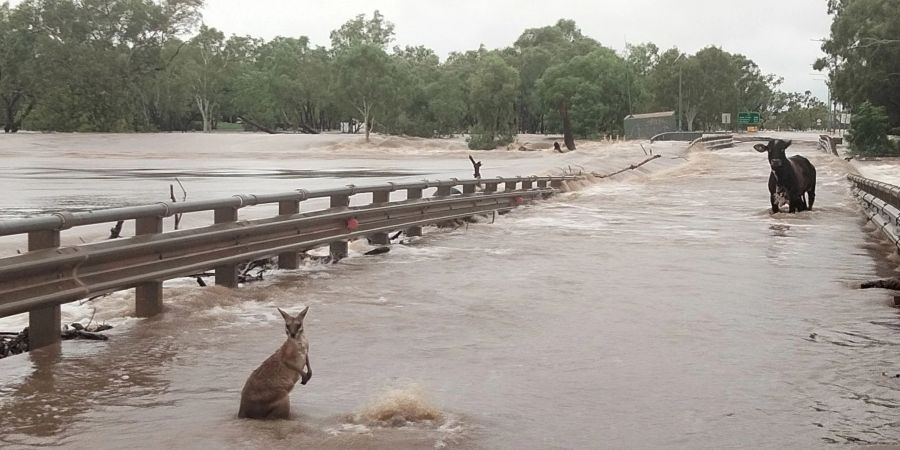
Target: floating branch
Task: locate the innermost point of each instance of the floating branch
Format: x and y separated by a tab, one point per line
631	167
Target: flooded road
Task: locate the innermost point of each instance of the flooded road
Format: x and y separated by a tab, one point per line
666	308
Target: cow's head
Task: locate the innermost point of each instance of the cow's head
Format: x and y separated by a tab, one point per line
775	148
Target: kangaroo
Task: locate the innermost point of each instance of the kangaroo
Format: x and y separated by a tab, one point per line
265	394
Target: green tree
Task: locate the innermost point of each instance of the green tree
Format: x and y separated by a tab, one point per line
492	90
366	82
589	92
641	60
287	84
535	51
98	59
358	31
416	68
662	81
447	103
205	71
713	82
864	54
868	131
798	111
18	83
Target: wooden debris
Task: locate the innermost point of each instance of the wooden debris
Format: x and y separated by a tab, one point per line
887	283
261	266
116	231
631	167
377	251
18	343
476	166
257	126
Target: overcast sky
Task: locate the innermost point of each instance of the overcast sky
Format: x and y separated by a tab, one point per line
779	35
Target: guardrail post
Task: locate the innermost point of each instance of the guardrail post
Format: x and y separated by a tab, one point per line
378	198
527	184
556	184
469	189
339	249
510	185
490	186
443	191
148	296
288	260
542	183
44	324
226	275
414	194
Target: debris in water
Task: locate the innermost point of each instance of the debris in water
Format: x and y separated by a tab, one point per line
18	343
378	251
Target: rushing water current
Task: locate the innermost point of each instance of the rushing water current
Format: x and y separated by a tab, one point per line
667	308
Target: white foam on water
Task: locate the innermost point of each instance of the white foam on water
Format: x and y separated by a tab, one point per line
398	407
887	173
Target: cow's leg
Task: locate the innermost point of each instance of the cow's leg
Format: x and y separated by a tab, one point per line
796	203
773	188
812	196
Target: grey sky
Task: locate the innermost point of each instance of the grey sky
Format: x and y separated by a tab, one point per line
777	34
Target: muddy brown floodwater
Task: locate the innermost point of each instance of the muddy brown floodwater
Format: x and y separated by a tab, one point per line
661	309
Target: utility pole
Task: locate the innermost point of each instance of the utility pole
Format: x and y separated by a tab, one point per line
680	110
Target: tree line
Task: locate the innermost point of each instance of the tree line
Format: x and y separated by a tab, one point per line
152	65
863	67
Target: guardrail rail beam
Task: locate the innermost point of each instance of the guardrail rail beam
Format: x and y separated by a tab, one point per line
41	280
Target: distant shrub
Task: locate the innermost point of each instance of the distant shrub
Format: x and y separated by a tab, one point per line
484	141
868	132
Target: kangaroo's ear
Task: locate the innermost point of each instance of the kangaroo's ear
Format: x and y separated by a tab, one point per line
302	314
787	143
285	315
761	148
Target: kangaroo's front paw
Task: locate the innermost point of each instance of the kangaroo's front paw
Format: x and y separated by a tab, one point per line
306	378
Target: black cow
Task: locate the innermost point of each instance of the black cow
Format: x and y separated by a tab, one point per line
792	176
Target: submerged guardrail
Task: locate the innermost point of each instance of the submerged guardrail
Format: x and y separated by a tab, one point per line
828	144
49	275
714	142
685	136
881	204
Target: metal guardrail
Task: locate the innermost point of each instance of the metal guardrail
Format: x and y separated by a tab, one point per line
686	136
881	204
48	275
714	142
828	144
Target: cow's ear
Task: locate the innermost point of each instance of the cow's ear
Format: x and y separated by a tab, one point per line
787	143
761	148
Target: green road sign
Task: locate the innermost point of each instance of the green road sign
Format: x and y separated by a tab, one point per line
748	118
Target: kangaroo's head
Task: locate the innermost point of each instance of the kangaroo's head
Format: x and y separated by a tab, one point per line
294	325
